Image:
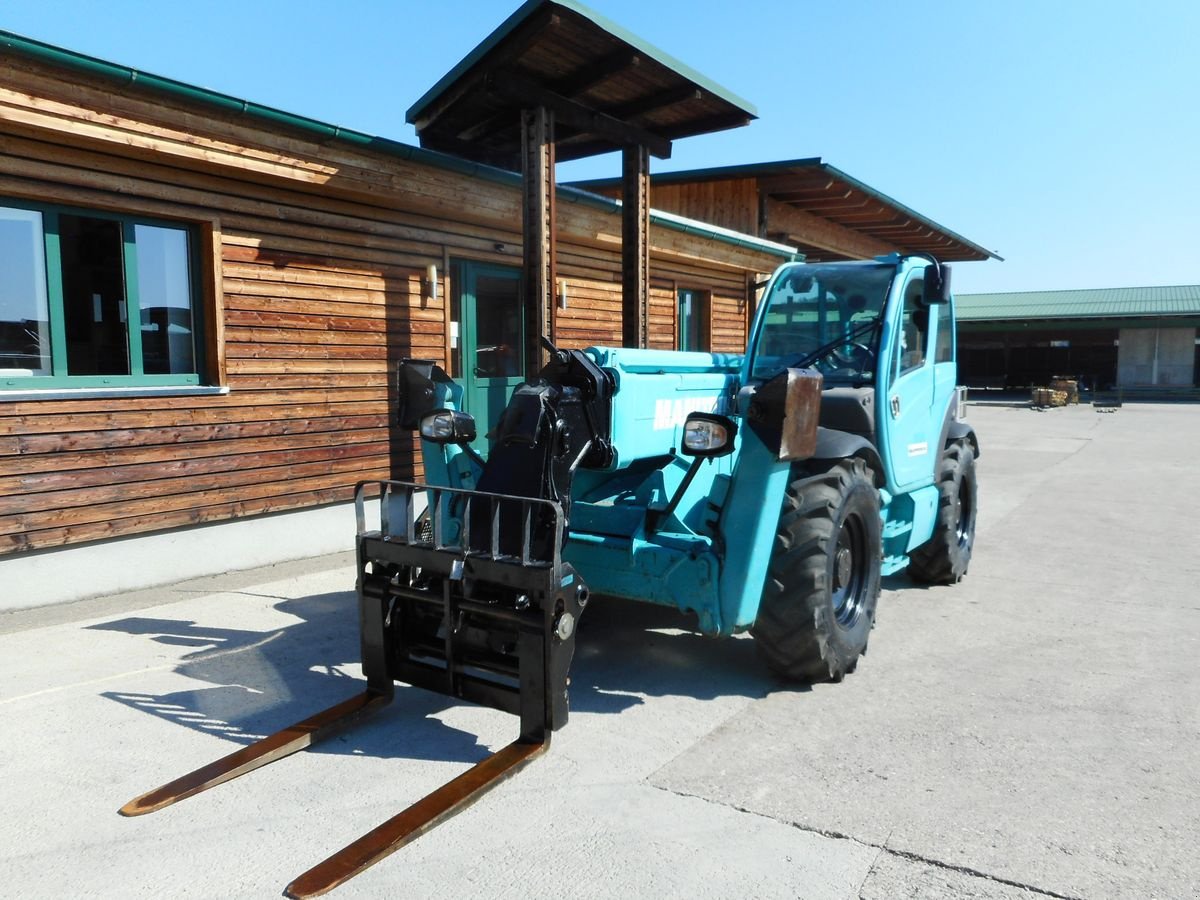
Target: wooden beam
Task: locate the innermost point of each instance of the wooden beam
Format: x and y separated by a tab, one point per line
819	232
718	122
530	94
578	82
658	100
488	126
537	221
635	247
586	77
584	148
514	44
801	180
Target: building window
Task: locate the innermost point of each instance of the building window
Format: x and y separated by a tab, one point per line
692	321
91	299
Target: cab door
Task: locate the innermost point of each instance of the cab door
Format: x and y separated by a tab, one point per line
491	334
908	412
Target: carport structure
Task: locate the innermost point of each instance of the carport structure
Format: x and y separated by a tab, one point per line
555	82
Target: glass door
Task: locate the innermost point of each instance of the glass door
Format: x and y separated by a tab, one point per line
491	331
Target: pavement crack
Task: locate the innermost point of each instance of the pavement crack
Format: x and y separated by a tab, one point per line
974	873
882	848
871	869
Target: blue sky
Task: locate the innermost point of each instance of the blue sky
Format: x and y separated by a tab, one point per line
1064	135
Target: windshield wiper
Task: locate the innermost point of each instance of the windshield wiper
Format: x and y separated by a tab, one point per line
824	349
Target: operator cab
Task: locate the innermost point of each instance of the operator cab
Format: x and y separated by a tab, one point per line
828	317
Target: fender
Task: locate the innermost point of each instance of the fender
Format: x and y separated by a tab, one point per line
833	444
960	430
955	429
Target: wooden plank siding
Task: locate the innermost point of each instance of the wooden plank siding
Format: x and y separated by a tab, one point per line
315	257
732	203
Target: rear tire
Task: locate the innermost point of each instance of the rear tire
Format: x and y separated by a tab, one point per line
945	557
818	604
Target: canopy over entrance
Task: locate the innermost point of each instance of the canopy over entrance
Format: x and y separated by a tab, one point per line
607	88
554	82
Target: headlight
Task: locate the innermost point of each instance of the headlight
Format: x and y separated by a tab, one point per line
448	426
707	434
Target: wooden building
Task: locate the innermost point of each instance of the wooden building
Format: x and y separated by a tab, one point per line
203	301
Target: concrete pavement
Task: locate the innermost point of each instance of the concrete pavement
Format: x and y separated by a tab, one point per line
1030	732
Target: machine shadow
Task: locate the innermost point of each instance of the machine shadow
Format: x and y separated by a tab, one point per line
627	650
264	681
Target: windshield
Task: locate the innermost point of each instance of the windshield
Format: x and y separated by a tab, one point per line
827	316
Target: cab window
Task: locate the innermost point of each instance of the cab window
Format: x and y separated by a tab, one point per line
914	328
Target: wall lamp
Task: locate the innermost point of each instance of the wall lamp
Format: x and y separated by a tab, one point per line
431	282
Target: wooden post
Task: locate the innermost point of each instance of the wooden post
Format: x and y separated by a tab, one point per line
635	247
537	229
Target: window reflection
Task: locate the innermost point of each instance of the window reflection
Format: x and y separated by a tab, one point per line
24	309
164	295
498	327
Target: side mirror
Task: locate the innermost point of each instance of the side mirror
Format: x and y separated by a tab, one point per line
418	384
708	435
448	426
937	284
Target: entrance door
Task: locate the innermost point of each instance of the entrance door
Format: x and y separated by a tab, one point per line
492	334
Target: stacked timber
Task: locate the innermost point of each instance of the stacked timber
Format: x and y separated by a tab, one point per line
1068	385
1043	397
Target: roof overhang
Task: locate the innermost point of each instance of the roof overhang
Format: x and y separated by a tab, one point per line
607	88
813	187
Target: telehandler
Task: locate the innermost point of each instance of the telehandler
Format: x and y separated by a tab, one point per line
767	491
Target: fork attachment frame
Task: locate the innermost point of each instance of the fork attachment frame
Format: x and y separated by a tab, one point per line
467	596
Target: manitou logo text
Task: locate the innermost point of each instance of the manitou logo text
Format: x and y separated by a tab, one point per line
670	413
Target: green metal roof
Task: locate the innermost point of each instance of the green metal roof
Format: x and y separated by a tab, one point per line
129	78
607	88
1098	303
529	8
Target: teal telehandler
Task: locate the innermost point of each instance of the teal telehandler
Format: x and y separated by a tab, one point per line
767	491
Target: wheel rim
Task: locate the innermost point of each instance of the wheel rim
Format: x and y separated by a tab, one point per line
966	504
849	576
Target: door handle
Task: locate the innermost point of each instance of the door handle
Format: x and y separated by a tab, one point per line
895	405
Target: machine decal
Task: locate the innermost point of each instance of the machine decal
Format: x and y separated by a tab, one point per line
918	449
671	413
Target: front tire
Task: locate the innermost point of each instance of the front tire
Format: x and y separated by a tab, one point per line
818	604
945	557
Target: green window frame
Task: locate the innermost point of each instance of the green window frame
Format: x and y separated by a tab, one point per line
692	320
132	325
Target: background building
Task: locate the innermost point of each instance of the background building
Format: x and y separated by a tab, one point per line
1138	338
